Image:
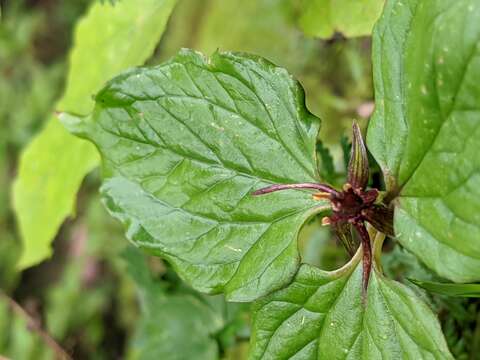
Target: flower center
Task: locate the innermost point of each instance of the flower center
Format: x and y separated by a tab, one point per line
349	205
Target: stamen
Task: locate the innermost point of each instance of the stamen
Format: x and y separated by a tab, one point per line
346	187
321	196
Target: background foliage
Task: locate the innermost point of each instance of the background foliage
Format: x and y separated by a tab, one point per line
93	294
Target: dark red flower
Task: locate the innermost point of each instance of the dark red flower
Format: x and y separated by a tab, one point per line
352	206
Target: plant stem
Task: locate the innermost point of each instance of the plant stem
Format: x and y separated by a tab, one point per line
378	239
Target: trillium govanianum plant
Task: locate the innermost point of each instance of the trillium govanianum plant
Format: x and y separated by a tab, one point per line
196	150
352	206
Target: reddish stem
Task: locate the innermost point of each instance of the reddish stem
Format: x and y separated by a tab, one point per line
277	187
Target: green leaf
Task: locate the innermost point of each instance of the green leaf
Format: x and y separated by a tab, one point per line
184	145
279	40
320	315
166	319
425	131
327	169
322	18
108	40
450	289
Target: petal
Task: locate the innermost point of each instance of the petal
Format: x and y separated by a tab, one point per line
277	187
381	218
358	166
343	231
367	255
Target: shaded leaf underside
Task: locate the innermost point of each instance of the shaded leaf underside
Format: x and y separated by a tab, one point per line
183	146
426	129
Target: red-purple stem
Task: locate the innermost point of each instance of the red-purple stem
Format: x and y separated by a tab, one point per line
277	187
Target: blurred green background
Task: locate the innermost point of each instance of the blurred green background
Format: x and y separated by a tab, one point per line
99	298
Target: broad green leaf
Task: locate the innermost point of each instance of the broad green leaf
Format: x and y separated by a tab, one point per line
171	326
279	40
320	315
425	132
322	18
107	40
449	289
327	170
184	145
45	189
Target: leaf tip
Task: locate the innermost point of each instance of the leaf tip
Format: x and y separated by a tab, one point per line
75	124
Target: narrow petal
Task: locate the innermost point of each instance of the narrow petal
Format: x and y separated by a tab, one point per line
358	166
277	187
381	218
367	255
343	231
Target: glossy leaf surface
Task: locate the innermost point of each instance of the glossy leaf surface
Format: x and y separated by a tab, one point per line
109	39
320	315
352	18
450	289
425	132
184	145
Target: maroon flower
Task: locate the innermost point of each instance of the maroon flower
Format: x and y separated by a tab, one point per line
352	206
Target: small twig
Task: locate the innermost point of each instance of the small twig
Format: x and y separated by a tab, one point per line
33	326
